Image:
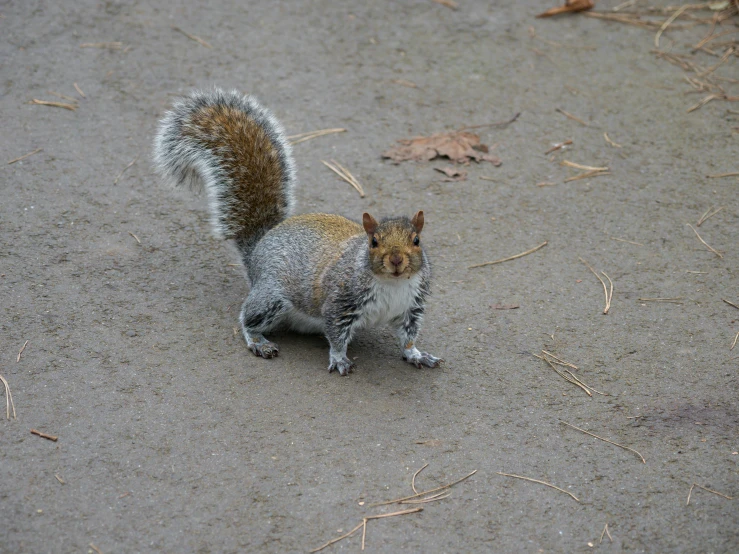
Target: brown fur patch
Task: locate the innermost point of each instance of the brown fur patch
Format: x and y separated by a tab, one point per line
251	162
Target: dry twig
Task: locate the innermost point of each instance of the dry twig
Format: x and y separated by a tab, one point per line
115	182
70	107
580	166
522	254
704	242
629	241
538	481
569	378
605	440
670	19
705	489
609	141
343	172
44	435
609	295
79	90
718	175
733	344
558	146
96	549
134	236
18	359
199	40
708	214
25	156
447	486
605	532
302	137
731	304
58	478
573	117
8	399
413	480
586	175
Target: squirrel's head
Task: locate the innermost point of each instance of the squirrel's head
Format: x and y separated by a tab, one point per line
394	245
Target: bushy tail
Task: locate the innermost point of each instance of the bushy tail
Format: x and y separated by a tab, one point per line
239	153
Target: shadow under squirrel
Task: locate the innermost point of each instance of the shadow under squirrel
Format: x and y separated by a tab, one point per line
316	273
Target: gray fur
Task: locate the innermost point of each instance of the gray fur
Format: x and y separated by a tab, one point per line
286	264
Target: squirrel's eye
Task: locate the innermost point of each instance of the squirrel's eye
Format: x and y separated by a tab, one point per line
416	241
374	242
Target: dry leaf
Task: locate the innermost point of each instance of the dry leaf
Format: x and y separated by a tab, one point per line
570	6
432	442
453	173
505	306
458	146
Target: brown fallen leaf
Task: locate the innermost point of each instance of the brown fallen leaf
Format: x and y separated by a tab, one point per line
431	442
505	306
569	7
458	146
453	173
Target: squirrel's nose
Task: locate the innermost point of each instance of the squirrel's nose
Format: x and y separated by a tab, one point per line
396	259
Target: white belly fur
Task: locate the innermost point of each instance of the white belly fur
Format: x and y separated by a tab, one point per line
392	299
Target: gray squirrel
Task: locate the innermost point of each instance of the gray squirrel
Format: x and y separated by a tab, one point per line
316	273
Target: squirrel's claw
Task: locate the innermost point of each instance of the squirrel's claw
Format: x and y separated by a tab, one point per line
423	359
265	349
343	366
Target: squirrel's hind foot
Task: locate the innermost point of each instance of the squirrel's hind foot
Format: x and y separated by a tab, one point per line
420	359
262	347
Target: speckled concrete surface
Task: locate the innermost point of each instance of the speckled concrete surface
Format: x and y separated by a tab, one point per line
174	438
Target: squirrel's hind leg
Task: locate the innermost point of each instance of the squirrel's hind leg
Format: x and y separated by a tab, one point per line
260	313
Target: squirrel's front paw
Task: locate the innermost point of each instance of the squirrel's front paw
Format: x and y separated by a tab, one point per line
420	359
344	366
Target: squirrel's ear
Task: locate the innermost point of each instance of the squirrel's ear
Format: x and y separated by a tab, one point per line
418	221
369	223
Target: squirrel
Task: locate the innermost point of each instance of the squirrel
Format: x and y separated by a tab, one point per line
316	273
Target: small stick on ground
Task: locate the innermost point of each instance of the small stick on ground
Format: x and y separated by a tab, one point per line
69	107
670	19
413	480
44	435
731	304
545	184
342	172
719	175
434	498
538	481
18	359
605	290
302	137
605	440
705	243
676	300
380	516
496	124
573	117
337	539
58	478
63	96
609	141
124	170
733	344
629	241
708	214
522	254
561	361
703	102
8	399
199	40
580	166
587	174
25	156
447	486
605	531
134	236
705	489
564	376
558	146
79	90
96	549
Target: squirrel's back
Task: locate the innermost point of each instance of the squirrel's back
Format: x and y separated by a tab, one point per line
238	151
